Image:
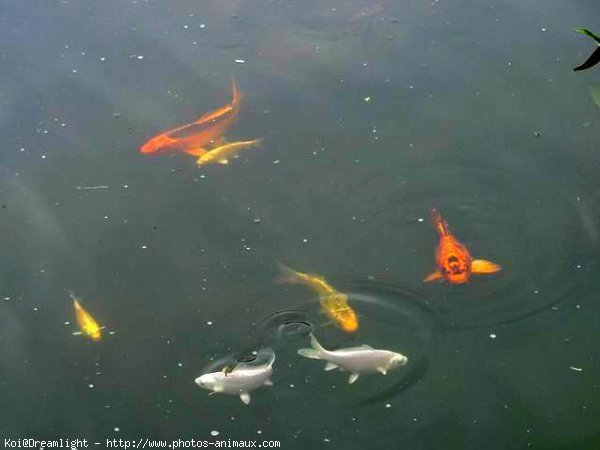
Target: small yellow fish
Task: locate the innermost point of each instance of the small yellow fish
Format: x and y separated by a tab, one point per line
87	324
222	153
333	302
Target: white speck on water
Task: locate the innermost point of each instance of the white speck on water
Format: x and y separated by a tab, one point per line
102	58
327	440
420	219
544	29
214	433
43	156
578	266
144	247
536	292
388	405
140	57
7	298
259	432
67	323
240	61
74	71
493	336
180	364
117	429
91	386
305	240
576	369
277	161
202	25
185	27
35	309
209	323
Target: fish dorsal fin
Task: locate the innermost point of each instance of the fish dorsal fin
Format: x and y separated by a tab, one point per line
366	347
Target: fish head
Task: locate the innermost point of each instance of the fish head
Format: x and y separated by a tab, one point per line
157	144
204	159
95	335
210	381
398	360
456	269
347	320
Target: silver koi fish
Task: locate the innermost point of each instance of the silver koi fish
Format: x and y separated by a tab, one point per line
356	360
241	378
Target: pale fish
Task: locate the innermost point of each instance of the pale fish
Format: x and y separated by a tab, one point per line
228	150
241	378
356	360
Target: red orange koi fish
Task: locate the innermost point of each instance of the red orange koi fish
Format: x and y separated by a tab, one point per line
194	137
454	262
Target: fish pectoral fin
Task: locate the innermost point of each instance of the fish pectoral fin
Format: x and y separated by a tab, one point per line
330	366
436	275
245	398
483	266
382	370
353	378
77	333
212	393
195	151
268	382
223	161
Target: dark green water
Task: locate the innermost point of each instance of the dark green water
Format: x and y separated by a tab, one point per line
473	107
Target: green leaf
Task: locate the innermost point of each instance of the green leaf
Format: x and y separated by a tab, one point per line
587	33
595	94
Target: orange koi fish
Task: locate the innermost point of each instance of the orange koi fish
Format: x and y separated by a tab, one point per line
87	324
193	137
454	262
334	303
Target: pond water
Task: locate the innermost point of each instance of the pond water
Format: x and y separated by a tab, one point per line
371	113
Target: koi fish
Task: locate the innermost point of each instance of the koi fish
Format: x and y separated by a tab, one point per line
454	262
594	58
193	137
356	360
334	303
87	324
222	153
241	378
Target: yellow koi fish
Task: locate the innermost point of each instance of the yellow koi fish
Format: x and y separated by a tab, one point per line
333	302
222	153
87	324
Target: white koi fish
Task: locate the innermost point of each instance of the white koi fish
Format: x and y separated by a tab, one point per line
241	378
356	360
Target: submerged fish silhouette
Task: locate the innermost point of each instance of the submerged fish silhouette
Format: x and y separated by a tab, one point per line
595	56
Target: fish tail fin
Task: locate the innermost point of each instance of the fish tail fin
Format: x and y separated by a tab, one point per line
287	275
315	352
236	95
441	225
72	296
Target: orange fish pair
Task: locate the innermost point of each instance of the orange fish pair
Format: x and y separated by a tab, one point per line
454	262
194	137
